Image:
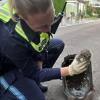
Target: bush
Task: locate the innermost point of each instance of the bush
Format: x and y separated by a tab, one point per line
58	4
89	10
97	11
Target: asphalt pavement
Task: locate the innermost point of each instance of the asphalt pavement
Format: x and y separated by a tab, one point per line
76	38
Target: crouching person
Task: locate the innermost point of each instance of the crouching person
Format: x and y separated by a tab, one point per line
24	40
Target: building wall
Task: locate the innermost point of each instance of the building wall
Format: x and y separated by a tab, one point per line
71	7
74	6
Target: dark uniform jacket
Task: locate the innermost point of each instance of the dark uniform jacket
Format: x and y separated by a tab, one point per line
20	53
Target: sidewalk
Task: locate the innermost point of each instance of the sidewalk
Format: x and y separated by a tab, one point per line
65	22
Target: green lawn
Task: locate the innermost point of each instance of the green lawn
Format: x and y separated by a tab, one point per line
58	5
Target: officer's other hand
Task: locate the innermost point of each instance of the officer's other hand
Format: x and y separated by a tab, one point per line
39	64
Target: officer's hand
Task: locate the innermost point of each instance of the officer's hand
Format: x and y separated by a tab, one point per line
39	64
79	64
77	67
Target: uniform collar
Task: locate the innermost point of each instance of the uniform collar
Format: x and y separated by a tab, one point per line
32	36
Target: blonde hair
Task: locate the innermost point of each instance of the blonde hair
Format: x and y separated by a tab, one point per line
25	7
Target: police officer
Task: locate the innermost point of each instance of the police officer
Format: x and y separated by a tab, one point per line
24	45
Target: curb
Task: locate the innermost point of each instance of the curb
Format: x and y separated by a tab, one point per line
80	23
